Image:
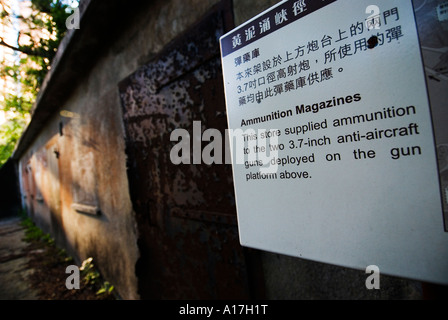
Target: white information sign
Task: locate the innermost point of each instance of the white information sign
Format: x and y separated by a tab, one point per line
332	141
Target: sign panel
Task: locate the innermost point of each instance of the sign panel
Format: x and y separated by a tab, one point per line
331	137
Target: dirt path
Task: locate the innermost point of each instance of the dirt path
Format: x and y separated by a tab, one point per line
14	270
35	270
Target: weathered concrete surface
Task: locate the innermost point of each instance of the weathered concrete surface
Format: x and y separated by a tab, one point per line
186	214
13	263
289	278
76	158
73	153
245	10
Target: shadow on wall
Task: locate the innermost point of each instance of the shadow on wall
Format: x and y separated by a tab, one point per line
60	177
9	190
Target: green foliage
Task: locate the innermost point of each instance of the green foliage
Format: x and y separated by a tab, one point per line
88	272
92	277
9	135
38	40
44	29
106	288
93	281
34	233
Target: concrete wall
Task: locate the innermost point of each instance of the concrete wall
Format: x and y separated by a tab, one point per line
78	159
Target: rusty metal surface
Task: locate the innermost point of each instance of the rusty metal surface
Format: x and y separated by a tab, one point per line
186	216
199	215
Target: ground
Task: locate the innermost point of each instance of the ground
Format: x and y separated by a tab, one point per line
49	276
33	268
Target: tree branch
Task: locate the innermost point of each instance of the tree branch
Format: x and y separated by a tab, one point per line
23	50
